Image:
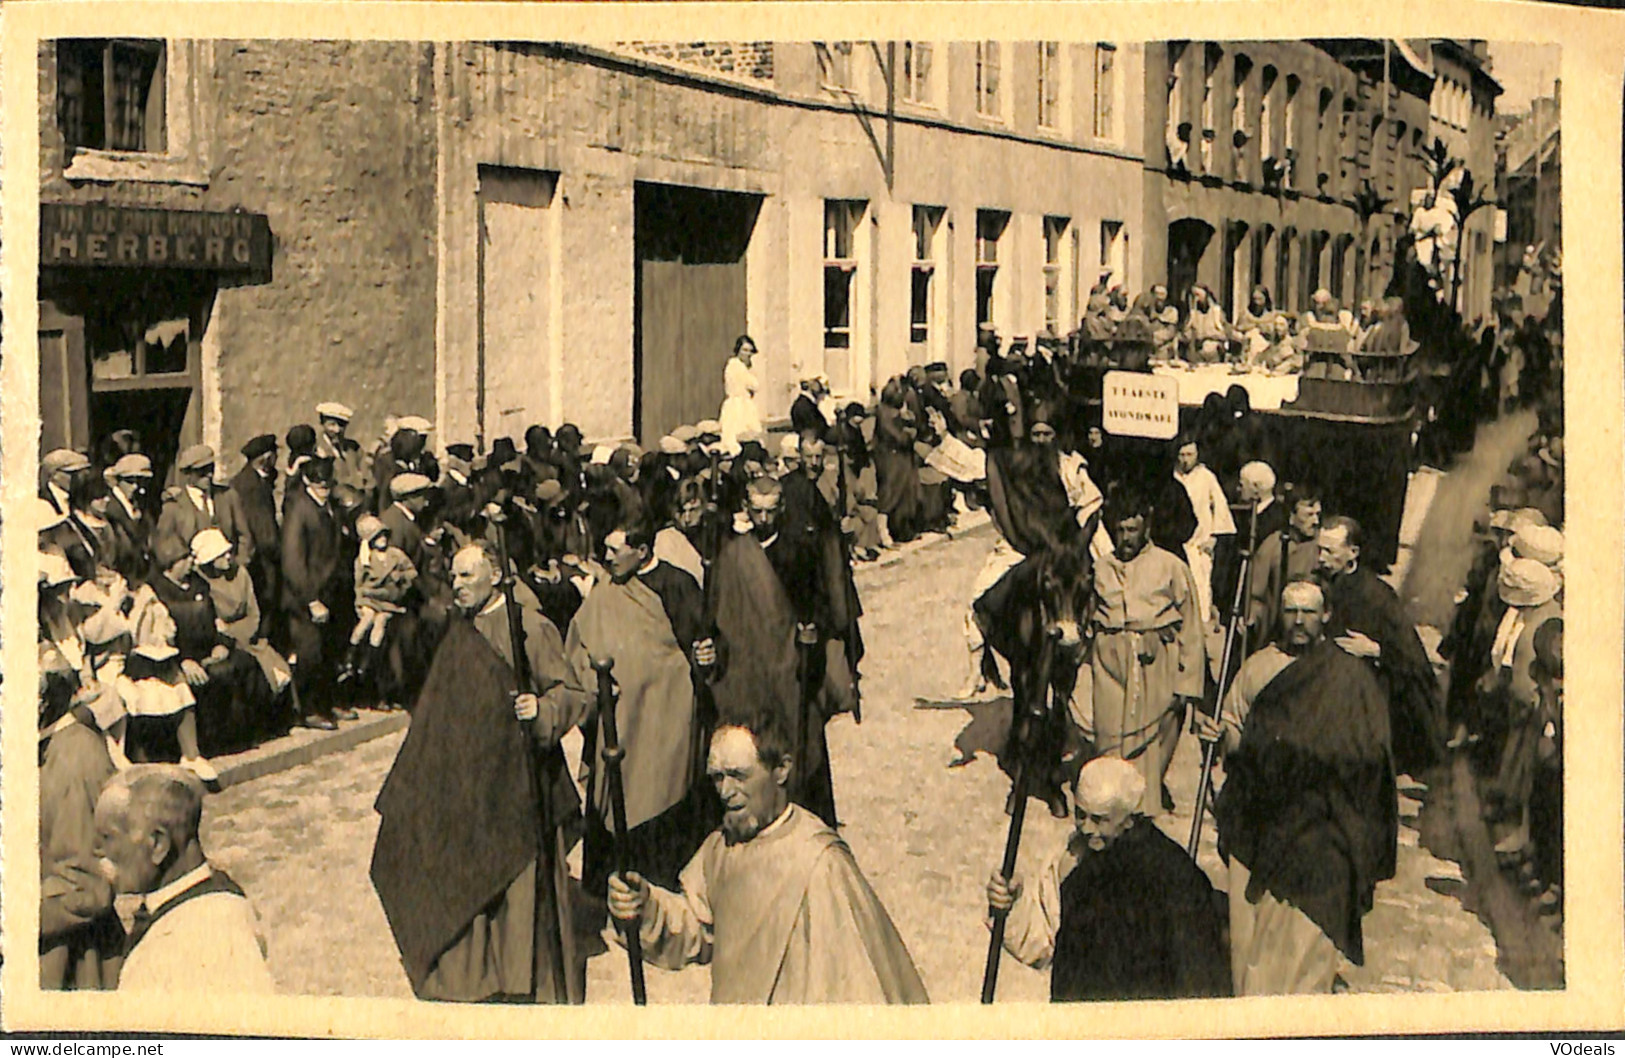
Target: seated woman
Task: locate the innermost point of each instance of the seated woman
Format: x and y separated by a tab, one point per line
231	694
237	614
156	688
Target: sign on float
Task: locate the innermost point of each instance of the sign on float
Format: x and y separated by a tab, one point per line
1140	405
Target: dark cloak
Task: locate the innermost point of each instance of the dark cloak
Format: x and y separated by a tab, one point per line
1309	804
448	849
1139	920
1028	499
751	609
1361	602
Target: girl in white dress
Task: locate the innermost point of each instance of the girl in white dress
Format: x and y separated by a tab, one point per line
739	416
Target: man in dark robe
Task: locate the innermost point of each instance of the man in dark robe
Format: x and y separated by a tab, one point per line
1308	817
255	486
1120	912
470	859
826	593
649	617
754	605
1369	621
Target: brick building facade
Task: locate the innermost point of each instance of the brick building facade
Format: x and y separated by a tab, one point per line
1291	164
496	234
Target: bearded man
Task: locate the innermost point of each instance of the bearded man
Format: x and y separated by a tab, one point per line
1308	817
774	901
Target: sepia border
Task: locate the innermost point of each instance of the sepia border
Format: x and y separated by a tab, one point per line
1593	59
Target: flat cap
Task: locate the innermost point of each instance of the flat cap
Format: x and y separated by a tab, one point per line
416	423
258	446
686	434
196	458
408	485
134	465
672	446
64	460
332	409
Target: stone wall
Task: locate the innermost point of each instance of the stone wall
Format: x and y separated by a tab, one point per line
749	59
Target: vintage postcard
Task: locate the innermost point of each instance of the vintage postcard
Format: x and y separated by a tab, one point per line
551	519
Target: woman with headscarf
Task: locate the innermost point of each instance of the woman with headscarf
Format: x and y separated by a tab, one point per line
740	415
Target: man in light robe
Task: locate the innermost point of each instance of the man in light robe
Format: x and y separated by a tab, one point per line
650	619
1148	652
1213	520
470	859
1120	911
195	931
774	901
1308	817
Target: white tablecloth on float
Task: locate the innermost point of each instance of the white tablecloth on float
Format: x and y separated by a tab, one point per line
1266	392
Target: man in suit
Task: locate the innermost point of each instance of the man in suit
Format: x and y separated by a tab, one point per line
198	504
255	488
58	470
130	478
333	421
311	586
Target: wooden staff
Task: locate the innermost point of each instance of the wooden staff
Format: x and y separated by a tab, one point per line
1235	640
1030	714
613	754
525	684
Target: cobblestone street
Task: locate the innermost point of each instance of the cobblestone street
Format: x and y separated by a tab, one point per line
926	832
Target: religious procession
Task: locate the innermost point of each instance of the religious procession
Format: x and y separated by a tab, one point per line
606	687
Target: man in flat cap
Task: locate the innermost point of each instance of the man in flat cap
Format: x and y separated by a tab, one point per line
332	443
58	469
255	487
429	603
131	556
312	588
197	503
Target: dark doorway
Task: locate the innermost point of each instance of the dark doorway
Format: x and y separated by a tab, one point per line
1187	242
690	300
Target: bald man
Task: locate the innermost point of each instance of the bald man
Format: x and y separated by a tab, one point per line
1308	816
195	930
1120	911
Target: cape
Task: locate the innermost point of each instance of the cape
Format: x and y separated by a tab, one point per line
750	607
1309	803
796	921
1029	501
655	710
1139	920
459	813
1361	602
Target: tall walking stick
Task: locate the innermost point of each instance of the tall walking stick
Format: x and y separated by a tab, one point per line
1235	639
524	684
1029	715
613	754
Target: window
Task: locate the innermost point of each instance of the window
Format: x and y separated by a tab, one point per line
1113	252
989	84
110	95
1105	91
1057	276
841	221
1266	114
990	225
1049	84
1213	55
118	353
918	84
922	304
835	64
1290	133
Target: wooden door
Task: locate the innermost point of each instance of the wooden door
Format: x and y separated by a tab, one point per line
64	406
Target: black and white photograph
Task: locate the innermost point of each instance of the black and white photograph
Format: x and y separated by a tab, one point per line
883	522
